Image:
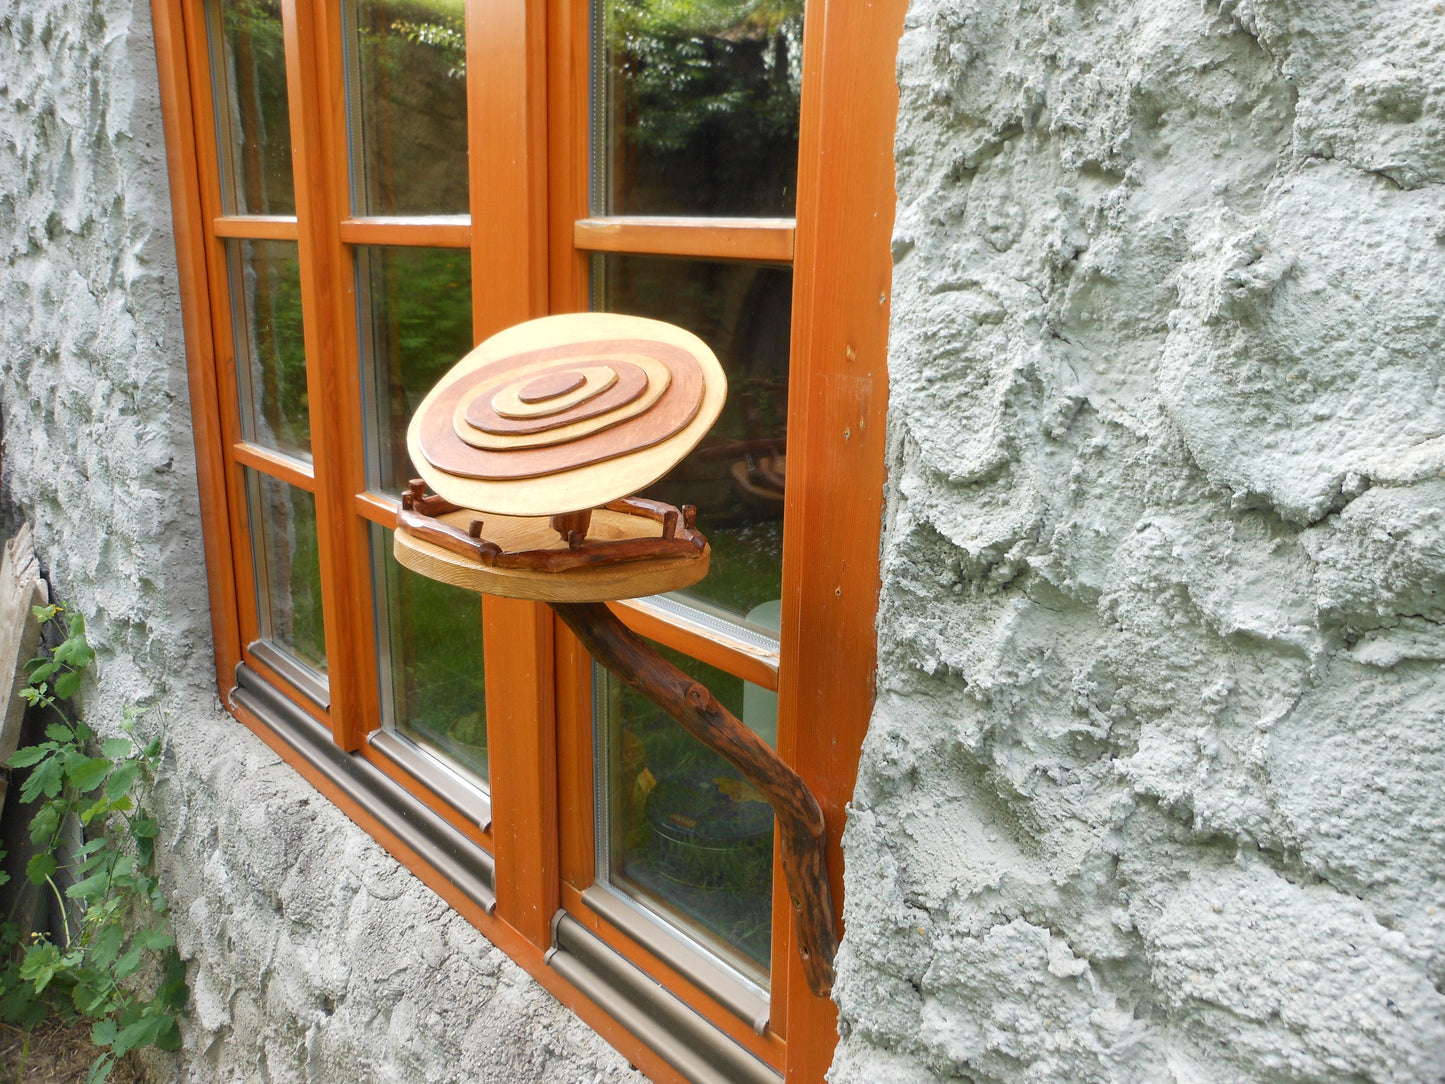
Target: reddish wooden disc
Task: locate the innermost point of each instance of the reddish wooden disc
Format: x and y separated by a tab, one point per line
447	451
576	446
631	382
552	386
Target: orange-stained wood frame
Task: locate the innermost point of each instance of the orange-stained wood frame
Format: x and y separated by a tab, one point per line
767	239
837	403
530	231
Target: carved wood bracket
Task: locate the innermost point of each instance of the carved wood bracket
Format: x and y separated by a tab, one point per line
801	832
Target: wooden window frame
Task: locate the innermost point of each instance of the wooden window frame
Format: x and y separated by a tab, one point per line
514	867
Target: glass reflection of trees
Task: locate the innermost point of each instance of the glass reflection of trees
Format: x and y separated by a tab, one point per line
409	92
703	106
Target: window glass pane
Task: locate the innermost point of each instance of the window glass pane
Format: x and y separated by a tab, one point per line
430	634
249	65
288	568
686	835
416	323
700	110
736	475
270	351
408	106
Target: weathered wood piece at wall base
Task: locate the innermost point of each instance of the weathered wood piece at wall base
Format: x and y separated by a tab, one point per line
21	588
801	832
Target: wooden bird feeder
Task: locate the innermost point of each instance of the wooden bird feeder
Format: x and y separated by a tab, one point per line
532	447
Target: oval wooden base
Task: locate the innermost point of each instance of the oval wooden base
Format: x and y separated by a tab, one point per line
598	583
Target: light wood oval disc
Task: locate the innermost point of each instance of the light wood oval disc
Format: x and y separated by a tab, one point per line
598	583
595	463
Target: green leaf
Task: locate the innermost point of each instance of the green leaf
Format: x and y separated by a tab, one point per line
116	748
45	613
77	624
89	773
59	732
41	866
41	963
46	779
44	824
103	1034
91	888
67	684
141	1033
31	754
127	964
100	1070
88	998
106	945
144	826
155	939
170	1035
38	670
122	779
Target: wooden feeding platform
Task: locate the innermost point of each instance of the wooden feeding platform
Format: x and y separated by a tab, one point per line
533	446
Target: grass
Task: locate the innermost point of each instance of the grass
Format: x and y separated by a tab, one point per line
57	1053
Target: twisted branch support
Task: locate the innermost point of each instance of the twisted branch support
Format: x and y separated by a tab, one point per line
801	831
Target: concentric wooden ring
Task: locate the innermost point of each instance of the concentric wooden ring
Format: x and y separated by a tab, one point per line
566	412
636	387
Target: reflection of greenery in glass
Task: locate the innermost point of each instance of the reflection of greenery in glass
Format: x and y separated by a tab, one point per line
421	324
288	568
252	71
434	635
270	351
688	835
735	476
409	91
702	106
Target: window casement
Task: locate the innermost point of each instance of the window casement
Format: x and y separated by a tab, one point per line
363	189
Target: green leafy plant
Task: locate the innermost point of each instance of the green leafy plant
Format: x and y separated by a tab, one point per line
113	961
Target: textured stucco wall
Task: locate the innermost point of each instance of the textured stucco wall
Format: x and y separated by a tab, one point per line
313	956
1155	786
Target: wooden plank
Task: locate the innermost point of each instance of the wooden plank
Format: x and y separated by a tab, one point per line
376	509
730	654
275	464
590	583
434	231
255	227
517	646
181	115
837	404
506	124
769	239
315	78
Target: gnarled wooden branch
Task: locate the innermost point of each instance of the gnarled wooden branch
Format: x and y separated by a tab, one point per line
801	832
